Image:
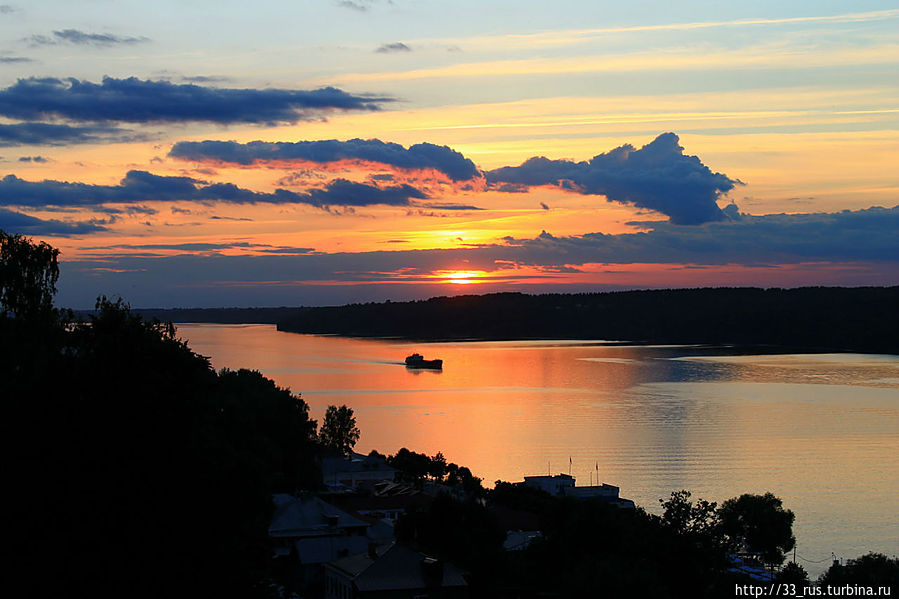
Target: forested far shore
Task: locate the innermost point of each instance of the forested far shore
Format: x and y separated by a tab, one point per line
863	319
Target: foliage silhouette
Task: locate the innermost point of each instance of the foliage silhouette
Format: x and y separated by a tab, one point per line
872	569
139	470
28	275
338	432
792	573
760	524
418	467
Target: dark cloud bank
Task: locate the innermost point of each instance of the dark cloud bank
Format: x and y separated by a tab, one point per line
135	100
659	176
25	224
141	186
862	235
50	134
418	156
867	237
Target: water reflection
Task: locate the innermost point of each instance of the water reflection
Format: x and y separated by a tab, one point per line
820	431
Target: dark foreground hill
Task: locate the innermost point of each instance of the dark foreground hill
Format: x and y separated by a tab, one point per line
817	318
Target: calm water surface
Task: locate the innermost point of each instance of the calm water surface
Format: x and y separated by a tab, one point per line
821	431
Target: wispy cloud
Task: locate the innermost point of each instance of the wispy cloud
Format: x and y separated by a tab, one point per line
356	5
83	38
207	247
672	59
565	37
394	47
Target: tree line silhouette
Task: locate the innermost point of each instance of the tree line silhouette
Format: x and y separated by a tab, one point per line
818	318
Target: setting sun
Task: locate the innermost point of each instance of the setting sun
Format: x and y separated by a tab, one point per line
463	277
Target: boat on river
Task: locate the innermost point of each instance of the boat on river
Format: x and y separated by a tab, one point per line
418	361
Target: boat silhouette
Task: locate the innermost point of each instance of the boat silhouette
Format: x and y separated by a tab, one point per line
418	361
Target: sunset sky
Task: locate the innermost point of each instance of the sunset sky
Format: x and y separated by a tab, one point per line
304	153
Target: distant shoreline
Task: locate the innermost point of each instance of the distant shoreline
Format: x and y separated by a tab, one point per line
736	349
802	320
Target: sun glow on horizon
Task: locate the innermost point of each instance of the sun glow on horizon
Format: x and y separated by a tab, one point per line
462	277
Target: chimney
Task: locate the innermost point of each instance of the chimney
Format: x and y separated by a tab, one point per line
432	571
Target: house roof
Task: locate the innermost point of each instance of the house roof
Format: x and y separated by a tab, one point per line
308	516
319	550
372	503
396	567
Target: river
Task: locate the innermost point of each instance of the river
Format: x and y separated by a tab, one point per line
820	431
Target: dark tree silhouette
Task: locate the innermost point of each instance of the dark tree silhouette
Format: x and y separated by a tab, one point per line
681	516
760	524
28	275
154	472
338	431
413	466
870	569
792	573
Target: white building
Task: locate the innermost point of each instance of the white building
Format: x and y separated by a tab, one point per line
348	472
563	485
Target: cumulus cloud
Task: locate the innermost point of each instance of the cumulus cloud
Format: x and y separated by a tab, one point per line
37	159
82	38
135	100
659	176
51	134
418	156
16	222
142	186
394	47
